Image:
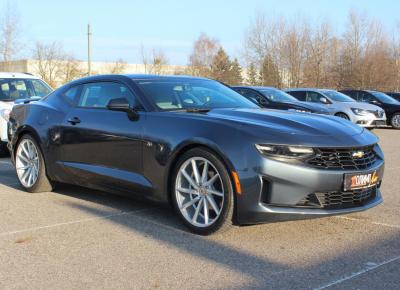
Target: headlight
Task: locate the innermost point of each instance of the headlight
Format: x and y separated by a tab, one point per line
300	110
284	151
5	114
360	112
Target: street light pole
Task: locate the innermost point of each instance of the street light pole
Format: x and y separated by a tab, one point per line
89	46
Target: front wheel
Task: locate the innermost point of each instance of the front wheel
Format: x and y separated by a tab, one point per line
30	166
202	192
395	121
343	116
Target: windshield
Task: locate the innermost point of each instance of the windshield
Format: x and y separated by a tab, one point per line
275	95
13	89
192	94
384	98
338	97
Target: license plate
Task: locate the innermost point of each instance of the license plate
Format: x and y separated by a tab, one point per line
362	180
380	123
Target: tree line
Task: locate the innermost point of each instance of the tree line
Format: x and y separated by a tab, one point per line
276	52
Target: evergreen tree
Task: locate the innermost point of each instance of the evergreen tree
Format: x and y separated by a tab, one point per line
269	73
235	73
221	66
252	75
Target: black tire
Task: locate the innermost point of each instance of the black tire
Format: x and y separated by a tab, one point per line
342	115
225	219
394	121
42	184
4	150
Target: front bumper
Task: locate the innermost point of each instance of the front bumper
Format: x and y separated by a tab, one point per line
275	194
369	121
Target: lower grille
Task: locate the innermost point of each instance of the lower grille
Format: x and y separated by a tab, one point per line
338	199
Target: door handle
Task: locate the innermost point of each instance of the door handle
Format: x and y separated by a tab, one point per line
74	120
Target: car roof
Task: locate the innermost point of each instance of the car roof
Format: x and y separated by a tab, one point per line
17	75
134	77
308	89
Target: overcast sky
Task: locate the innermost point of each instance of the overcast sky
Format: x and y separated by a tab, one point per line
120	27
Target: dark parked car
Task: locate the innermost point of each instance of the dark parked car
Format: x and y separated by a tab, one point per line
390	105
272	98
215	156
395	96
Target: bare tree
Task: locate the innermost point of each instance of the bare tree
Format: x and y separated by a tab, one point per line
70	69
9	33
154	62
54	65
203	53
118	67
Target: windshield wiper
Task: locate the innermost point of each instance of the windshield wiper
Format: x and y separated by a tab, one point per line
193	110
8	100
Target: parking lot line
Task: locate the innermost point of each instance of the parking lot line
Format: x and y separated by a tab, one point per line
73	222
374	223
370	267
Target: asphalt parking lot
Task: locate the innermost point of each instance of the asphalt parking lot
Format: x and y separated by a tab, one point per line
80	238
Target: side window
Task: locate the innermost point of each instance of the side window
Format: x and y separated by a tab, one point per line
300	95
365	97
73	94
314	97
40	88
98	95
255	97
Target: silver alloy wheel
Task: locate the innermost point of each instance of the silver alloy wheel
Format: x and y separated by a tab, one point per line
199	192
27	163
396	121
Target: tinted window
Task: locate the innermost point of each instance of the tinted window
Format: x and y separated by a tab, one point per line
337	96
300	95
12	89
365	97
40	88
314	97
98	95
279	96
188	93
251	95
73	94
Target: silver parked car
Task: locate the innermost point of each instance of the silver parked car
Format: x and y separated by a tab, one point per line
365	115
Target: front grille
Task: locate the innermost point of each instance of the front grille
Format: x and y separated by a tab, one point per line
378	114
338	199
343	158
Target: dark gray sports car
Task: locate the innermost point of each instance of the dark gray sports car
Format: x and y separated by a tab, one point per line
215	156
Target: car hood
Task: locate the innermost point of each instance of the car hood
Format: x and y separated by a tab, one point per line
6	105
313	107
360	105
289	122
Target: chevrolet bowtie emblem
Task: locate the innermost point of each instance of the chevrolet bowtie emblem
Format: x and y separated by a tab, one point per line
358	154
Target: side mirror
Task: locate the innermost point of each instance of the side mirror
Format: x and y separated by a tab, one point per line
122	105
324	100
375	102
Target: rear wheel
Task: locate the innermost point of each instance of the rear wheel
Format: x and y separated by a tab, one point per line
395	121
202	192
30	166
342	115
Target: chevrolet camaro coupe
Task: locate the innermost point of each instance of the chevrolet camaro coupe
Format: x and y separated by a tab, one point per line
215	156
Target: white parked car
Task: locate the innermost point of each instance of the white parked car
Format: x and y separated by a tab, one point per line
13	87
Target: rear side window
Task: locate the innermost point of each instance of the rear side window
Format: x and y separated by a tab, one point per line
300	95
98	95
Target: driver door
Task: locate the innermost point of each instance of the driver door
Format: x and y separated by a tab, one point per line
99	146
